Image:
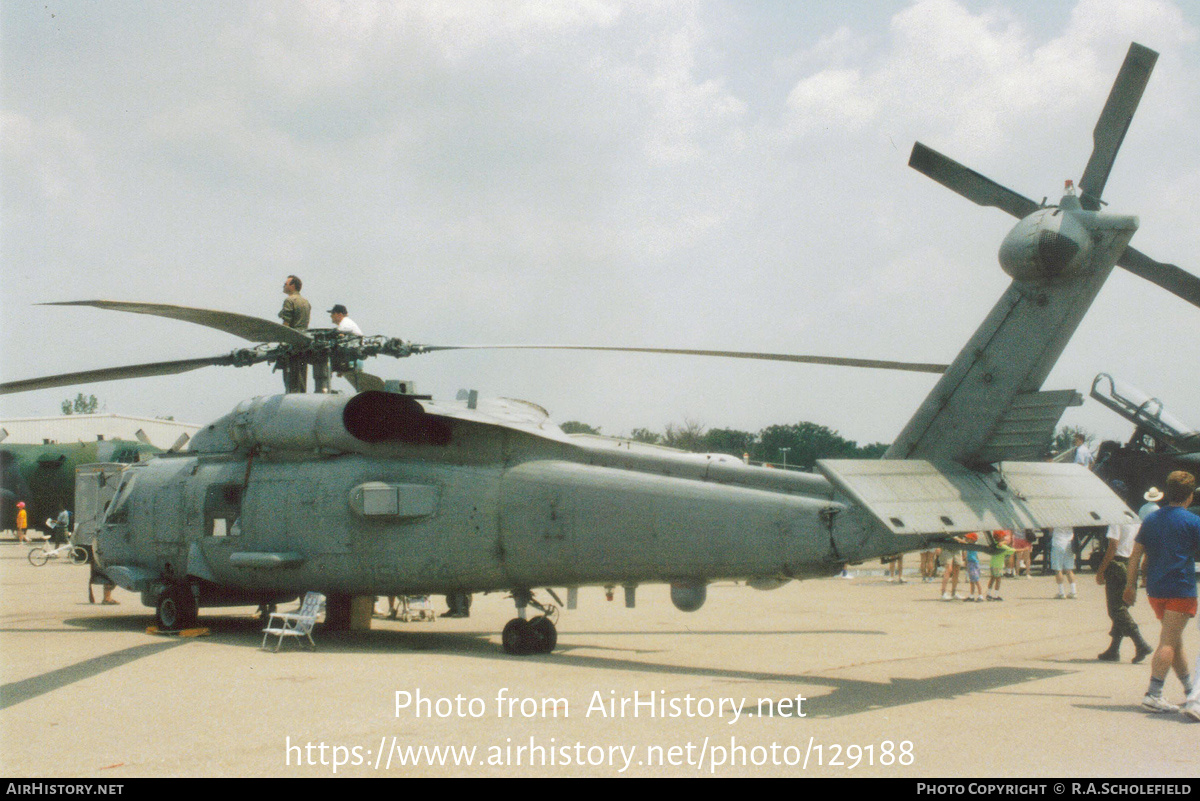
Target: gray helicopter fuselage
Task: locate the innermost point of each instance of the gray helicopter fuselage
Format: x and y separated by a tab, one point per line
282	497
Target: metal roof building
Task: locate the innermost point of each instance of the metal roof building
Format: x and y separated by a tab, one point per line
90	427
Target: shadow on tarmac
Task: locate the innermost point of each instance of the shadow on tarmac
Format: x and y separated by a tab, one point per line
847	696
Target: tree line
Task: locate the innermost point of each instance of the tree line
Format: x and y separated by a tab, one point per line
798	445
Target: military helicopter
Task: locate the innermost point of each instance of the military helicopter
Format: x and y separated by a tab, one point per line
386	492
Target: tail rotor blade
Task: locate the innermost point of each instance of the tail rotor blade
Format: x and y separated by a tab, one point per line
1177	281
968	183
1114	121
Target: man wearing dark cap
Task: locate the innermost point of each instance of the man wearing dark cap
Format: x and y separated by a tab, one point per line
344	324
348	327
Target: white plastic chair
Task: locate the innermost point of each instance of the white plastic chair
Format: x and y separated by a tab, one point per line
295	624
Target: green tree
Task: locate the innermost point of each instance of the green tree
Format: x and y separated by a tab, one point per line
687	437
806	443
729	440
81	405
576	427
645	435
875	450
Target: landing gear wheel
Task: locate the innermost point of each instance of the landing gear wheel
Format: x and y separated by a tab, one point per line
543	635
79	555
516	637
38	557
176	609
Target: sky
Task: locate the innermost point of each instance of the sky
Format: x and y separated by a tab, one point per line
716	175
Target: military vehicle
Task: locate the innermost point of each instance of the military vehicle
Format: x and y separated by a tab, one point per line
43	476
394	493
1159	445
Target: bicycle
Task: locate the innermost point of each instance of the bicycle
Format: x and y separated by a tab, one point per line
44	553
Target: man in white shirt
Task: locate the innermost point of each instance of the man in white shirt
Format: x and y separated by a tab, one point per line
344	324
1083	456
1111	575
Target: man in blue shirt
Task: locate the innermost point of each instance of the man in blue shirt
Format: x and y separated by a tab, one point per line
1170	540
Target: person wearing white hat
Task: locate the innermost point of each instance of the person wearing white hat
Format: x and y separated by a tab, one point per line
1152	497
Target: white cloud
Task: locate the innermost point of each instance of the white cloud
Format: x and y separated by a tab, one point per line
973	76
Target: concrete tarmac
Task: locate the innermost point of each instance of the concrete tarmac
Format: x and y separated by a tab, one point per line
819	678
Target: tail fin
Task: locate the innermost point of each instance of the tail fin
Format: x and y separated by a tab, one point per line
988	406
1004	364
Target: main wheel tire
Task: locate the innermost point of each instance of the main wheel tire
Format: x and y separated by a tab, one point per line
38	557
543	634
79	555
516	637
176	609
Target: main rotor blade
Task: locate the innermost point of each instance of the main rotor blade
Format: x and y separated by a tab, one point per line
254	329
1175	280
1114	122
915	367
968	183
113	374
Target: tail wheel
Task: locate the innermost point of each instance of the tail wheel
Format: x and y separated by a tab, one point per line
38	557
176	609
79	555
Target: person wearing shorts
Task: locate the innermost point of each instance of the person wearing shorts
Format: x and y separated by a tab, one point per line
1001	537
1062	560
948	558
1169	540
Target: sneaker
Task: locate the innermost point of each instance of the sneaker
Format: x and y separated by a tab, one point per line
1192	710
1141	653
1060	597
959	597
1155	703
945	596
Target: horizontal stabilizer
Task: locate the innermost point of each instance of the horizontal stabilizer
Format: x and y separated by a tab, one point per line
1027	428
917	497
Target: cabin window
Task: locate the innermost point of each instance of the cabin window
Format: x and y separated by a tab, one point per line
223	510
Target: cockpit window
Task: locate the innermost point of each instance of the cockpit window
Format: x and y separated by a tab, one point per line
118	507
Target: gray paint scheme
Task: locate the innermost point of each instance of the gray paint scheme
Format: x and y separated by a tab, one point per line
387	494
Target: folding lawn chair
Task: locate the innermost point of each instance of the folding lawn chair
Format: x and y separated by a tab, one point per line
295	624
